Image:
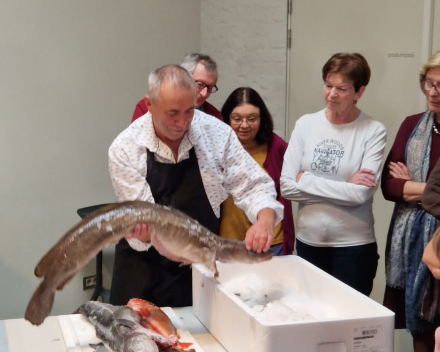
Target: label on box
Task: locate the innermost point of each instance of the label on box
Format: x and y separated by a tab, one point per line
368	339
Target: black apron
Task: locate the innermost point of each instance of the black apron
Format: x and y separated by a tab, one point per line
149	275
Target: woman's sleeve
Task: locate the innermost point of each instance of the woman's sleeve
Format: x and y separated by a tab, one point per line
392	188
431	194
291	167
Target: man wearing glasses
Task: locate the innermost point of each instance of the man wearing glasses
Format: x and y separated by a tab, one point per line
204	71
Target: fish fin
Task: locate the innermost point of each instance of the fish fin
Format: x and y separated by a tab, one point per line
79	310
185	345
40	305
100	347
140	306
96	345
212	266
129	323
65	282
215	270
99	333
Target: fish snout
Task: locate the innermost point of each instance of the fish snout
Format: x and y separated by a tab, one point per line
261	257
80	310
237	253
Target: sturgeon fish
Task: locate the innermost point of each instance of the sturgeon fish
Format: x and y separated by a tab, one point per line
119	327
174	235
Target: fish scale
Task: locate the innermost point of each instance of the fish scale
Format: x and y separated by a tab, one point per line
174	235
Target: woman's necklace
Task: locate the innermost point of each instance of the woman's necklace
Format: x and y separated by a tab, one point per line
434	127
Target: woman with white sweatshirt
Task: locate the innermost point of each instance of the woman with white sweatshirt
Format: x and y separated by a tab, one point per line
331	168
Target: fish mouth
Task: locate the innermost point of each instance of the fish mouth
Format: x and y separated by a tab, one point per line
239	254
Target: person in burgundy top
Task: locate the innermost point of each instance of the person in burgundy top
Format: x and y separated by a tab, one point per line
416	149
204	71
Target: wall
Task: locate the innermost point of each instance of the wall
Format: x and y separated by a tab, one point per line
71	73
248	41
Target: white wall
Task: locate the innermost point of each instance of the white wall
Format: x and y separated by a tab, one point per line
248	41
71	73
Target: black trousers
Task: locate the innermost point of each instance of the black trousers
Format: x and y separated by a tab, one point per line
356	266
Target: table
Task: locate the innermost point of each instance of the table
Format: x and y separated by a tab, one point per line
18	335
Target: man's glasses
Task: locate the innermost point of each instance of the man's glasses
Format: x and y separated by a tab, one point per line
251	120
430	84
210	89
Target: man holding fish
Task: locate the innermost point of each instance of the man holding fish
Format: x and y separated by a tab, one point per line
178	156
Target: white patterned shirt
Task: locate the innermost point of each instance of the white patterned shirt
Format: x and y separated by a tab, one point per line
225	166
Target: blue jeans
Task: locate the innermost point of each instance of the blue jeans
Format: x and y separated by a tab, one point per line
354	265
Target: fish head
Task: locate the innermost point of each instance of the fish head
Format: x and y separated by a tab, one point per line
139	343
236	252
80	310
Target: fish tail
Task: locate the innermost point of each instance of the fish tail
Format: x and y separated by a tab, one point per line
40	305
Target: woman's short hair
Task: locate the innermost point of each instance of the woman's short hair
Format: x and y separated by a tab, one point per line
351	65
247	95
433	62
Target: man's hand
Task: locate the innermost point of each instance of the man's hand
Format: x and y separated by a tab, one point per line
260	235
399	170
364	177
142	232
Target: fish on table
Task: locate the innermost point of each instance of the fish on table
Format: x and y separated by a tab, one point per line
119	327
174	235
154	318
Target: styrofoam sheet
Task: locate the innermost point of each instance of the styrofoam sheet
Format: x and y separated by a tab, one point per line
358	325
21	336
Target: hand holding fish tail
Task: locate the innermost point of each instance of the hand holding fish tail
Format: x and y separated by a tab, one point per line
233	251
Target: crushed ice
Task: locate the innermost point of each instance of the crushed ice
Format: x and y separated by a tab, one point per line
273	302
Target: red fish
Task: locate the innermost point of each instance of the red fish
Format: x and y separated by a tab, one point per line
152	317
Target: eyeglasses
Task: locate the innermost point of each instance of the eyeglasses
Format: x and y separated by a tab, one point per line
430	84
210	89
251	120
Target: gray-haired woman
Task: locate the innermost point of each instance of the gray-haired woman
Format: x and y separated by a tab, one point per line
411	288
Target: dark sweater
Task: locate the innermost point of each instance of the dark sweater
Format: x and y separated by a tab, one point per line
392	188
431	194
273	165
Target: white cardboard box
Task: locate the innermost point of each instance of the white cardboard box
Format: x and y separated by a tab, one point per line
359	325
